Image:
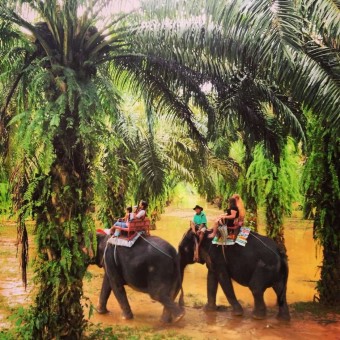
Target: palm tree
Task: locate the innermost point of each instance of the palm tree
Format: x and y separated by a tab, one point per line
62	77
321	175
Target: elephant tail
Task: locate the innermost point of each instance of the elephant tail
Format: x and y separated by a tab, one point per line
281	296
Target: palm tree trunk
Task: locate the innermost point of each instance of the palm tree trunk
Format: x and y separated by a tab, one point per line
329	284
63	231
250	200
274	216
327	215
251	214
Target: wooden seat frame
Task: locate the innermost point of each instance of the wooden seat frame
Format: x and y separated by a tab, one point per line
133	227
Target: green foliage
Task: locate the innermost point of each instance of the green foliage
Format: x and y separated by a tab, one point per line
74	153
321	186
275	185
5	200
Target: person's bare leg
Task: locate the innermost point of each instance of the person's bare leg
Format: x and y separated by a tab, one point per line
200	238
214	232
196	252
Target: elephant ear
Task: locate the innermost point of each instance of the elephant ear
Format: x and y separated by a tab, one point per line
188	241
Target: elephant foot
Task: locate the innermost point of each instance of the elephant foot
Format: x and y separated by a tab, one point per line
102	310
178	316
127	315
166	317
284	316
210	307
237	311
259	314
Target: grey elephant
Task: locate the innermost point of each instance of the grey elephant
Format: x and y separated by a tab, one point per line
150	266
259	265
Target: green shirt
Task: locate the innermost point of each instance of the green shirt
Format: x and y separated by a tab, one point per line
200	218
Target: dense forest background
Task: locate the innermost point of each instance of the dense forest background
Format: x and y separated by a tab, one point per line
100	110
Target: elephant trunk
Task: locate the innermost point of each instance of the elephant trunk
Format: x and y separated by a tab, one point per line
180	270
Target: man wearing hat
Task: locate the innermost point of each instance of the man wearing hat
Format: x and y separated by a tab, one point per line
198	226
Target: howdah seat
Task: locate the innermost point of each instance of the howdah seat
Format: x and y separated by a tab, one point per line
133	227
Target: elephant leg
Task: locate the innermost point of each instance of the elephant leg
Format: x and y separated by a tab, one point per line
170	307
212	284
120	294
257	288
280	290
104	296
166	316
260	309
228	289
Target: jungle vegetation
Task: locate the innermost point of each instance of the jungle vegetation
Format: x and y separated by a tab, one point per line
100	111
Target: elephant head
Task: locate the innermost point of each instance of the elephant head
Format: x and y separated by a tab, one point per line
95	256
187	246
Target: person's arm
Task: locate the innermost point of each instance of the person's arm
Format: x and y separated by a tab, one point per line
140	214
232	215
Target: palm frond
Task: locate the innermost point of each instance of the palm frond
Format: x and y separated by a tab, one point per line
132	71
151	166
323	19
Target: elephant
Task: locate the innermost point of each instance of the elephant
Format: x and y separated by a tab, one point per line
150	266
259	265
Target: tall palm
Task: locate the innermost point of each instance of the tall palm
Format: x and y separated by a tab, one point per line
61	99
321	175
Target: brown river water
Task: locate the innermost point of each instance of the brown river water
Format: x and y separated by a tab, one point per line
304	261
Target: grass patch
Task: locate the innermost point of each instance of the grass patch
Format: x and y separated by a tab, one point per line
320	313
194	301
8	228
96	332
314	308
92	331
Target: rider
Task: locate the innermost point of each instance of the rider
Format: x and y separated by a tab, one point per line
137	214
141	210
199	226
241	209
229	218
122	222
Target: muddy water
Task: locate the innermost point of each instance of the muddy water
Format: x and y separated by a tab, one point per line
304	260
